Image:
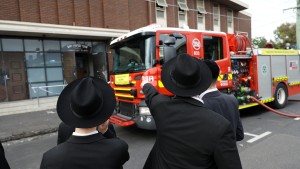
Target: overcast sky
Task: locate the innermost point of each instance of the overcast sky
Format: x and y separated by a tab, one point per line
267	15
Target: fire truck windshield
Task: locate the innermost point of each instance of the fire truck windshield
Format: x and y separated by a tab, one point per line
136	54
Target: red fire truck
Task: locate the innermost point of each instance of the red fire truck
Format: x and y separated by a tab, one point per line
269	75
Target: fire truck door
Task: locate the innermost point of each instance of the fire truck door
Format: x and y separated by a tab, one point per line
214	48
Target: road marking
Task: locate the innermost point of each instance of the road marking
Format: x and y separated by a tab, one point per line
257	137
298	118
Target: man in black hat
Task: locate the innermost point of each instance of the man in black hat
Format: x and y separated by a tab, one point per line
85	104
224	104
188	134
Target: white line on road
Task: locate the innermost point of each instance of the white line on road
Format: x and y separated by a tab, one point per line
257	137
298	118
249	134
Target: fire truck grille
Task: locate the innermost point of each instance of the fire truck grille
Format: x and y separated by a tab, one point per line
127	109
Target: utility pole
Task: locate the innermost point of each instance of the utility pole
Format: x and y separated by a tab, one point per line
297	8
298	25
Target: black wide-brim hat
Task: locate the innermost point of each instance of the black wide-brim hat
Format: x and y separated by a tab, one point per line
86	103
186	76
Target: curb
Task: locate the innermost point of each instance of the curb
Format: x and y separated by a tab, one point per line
27	134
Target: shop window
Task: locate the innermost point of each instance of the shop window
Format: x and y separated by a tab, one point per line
98	47
55	88
54	74
33	45
67	46
51	45
14	45
34	60
53	59
36	92
36	75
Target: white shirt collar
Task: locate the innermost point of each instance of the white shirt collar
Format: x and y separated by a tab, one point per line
85	134
199	97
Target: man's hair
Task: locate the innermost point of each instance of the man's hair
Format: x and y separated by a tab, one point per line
214	68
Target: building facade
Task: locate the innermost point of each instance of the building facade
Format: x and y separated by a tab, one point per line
46	44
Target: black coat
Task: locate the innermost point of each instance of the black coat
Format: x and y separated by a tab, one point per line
227	106
88	152
65	131
3	161
189	136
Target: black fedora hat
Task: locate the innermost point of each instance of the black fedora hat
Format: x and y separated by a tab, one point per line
186	76
86	102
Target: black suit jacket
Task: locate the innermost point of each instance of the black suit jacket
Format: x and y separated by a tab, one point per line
188	135
87	152
64	132
3	161
227	106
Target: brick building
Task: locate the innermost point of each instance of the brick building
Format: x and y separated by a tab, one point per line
47	43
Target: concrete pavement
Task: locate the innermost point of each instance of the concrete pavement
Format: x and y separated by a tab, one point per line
27	118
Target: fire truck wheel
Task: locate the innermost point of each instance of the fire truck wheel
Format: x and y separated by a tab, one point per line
280	96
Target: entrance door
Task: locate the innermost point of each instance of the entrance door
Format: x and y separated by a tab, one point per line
15	76
82	65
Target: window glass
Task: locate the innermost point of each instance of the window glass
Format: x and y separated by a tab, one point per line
51	45
36	92
213	48
34	59
55	88
54	74
33	45
12	45
180	44
36	75
53	59
98	47
67	45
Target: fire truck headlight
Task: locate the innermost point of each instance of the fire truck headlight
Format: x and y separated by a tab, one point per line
144	111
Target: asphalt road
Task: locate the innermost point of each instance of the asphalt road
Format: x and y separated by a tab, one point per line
271	142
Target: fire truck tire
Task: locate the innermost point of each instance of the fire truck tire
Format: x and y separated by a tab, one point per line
280	95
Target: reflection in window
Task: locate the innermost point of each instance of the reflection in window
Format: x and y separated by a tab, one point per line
54	74
12	45
34	60
55	89
98	47
65	45
53	59
51	45
33	45
180	44
37	92
36	75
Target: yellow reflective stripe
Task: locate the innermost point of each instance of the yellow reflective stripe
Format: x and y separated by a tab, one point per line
220	77
267	100
248	105
160	84
123	95
294	83
122	89
279	79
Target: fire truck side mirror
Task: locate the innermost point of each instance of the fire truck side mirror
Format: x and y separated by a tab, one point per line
169	50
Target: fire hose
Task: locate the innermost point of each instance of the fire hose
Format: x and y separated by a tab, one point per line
274	111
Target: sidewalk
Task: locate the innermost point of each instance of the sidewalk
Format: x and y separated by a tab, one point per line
27	118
